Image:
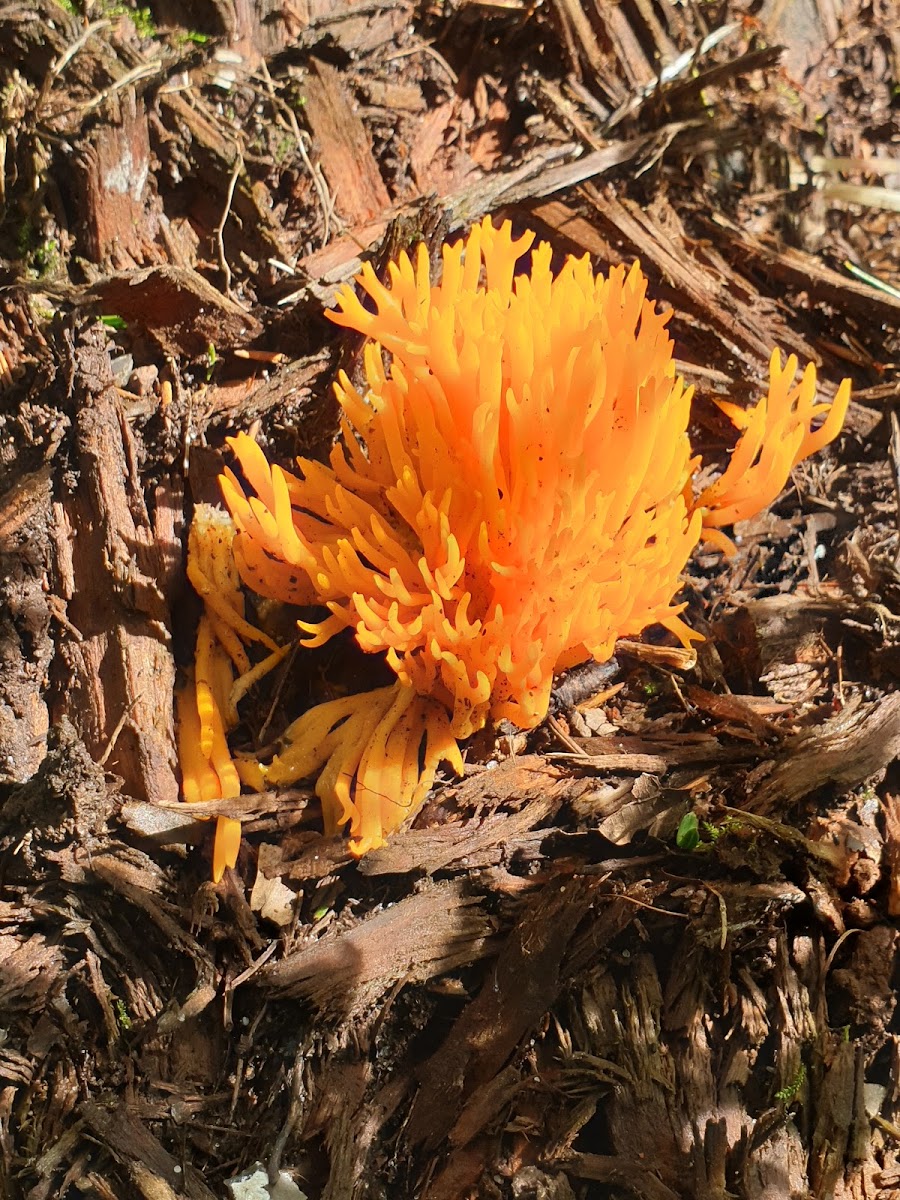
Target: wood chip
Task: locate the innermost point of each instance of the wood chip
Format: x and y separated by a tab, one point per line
154	1173
422	936
110	571
180	309
842	753
343	146
521	987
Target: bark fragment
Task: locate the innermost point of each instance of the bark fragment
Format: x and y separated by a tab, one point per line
119	672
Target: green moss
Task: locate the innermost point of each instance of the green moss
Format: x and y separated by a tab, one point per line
728	824
122	1016
787	1094
698	835
47	258
283	148
141	17
192	36
26	238
40	258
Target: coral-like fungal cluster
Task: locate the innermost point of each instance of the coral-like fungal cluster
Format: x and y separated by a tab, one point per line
512	492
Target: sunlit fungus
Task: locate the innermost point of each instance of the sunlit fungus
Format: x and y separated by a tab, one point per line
512	492
207	702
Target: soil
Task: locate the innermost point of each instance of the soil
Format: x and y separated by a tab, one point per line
648	950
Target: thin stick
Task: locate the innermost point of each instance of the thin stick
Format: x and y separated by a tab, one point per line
114	736
220	228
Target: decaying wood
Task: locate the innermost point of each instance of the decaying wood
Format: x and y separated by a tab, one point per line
25	615
793	266
352	172
533	789
109	569
523	983
621	1172
180	309
852	747
479	844
113	174
300	386
30	966
892	850
425	935
545	986
154	1173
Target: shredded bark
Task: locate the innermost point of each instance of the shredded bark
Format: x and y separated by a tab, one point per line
647	950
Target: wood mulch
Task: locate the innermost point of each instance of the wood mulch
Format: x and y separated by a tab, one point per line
649	950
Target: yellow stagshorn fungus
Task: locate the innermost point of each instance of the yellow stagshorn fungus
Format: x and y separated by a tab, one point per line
511	494
207	704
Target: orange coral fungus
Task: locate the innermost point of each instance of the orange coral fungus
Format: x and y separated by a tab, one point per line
512	493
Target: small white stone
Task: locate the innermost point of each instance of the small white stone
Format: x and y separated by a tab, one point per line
254	1185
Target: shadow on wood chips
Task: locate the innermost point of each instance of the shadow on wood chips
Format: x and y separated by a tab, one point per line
646	951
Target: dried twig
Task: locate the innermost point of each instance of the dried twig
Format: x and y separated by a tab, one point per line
220	228
326	200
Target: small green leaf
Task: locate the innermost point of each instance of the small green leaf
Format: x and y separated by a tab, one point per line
111	321
688	835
